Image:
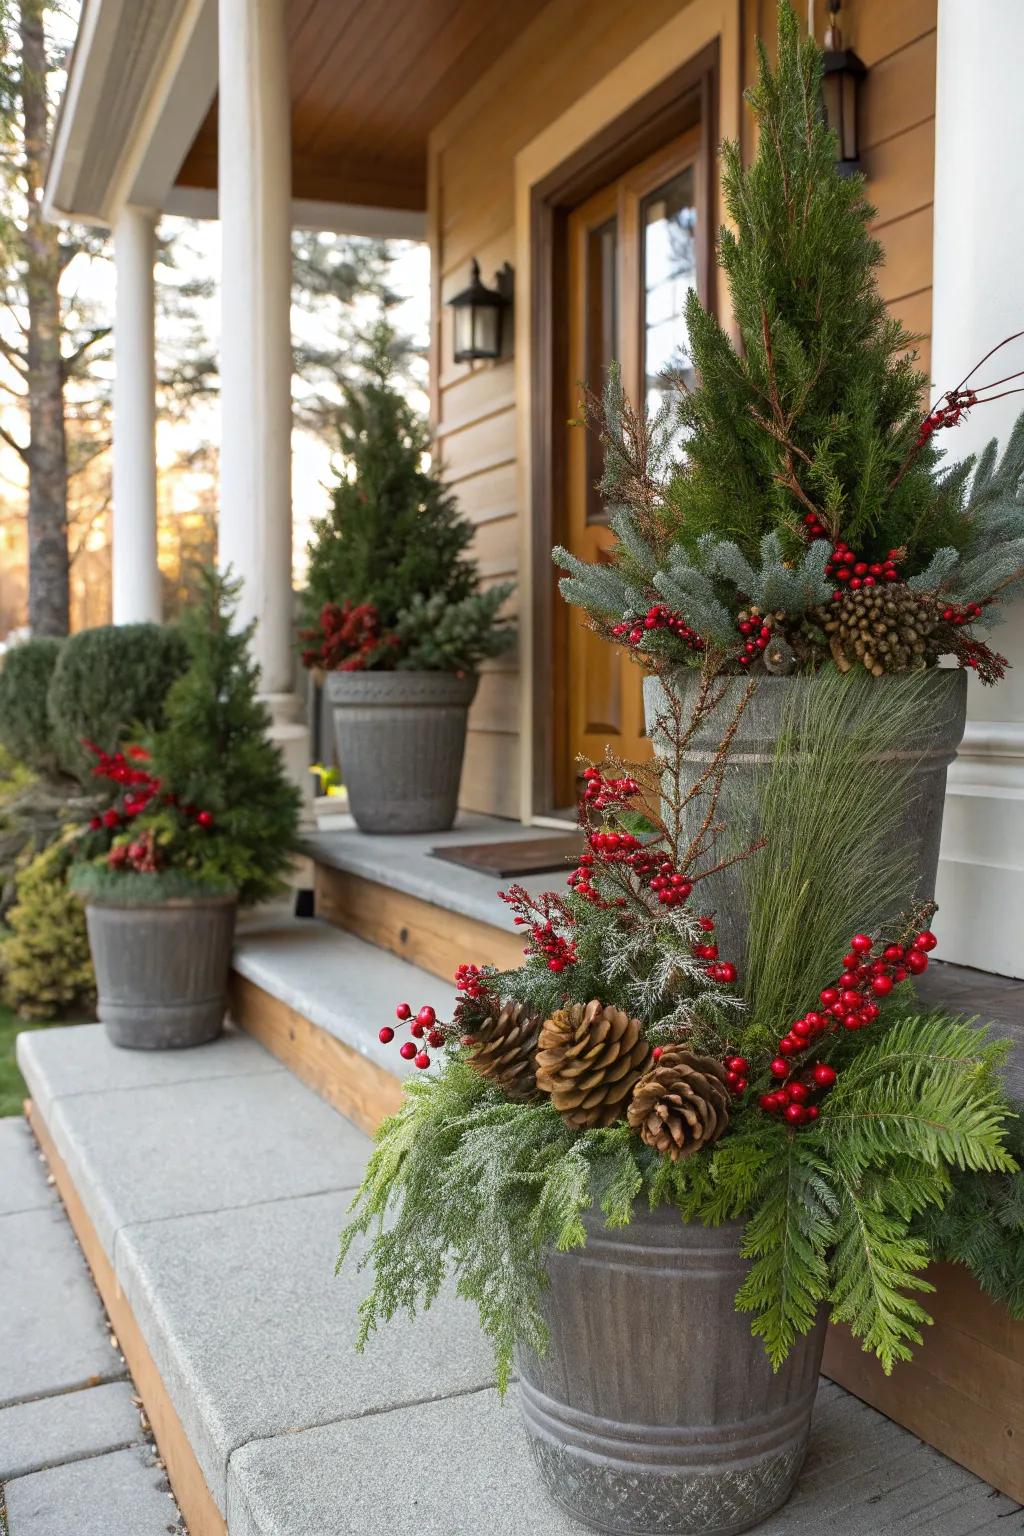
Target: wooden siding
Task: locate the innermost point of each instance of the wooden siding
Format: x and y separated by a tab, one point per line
565	52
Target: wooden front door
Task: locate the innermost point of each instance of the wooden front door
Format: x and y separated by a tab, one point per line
633	253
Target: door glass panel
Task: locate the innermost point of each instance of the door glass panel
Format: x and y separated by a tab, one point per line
601	344
668	230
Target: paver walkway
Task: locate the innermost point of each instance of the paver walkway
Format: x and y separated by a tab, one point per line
74	1459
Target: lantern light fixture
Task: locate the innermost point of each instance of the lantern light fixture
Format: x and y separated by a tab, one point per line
840	89
478	315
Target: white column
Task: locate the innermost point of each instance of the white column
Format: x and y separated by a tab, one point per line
136	579
978	299
255	528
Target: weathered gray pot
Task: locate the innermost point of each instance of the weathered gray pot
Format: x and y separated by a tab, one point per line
928	753
400	738
654	1409
162	970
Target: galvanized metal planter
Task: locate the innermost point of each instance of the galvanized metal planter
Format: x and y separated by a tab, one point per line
655	1410
162	970
931	749
400	738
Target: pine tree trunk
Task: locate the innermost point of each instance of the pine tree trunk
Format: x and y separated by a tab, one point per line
47	452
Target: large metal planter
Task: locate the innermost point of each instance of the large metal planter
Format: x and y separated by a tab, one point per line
654	1409
162	970
400	738
931	749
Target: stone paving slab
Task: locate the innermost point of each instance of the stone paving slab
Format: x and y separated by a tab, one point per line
462	1466
51	1430
23	1184
121	1494
338	982
253	1334
80	1059
145	1154
52	1335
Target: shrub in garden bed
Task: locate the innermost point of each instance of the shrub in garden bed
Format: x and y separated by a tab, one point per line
45	968
25	674
109	682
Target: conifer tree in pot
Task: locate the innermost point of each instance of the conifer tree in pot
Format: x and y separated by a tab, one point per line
810	523
203	819
400	623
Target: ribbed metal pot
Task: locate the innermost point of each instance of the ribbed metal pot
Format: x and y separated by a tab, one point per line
400	738
162	970
654	1409
930	749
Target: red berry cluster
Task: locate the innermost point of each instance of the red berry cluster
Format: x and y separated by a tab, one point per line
138	784
601	793
717	970
142	856
960	616
757	634
851	571
636	630
471	981
543	916
949	414
849	1003
814	528
346	637
423	1029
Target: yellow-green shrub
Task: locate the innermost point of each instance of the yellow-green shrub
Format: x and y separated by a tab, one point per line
44	957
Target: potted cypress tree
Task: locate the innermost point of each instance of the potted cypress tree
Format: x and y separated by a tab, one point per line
204	819
810	523
656	1192
401	623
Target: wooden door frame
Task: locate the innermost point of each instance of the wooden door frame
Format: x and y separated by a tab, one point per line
646	126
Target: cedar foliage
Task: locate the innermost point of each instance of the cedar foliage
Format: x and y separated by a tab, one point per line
214	752
395	538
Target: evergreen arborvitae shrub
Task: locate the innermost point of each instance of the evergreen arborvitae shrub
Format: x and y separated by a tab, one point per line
24	722
395	541
45	967
109	683
394	531
214	756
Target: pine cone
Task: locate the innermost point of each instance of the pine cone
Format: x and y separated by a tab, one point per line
885	628
588	1060
680	1104
504	1046
778	657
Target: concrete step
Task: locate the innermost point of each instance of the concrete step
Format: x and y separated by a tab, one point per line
208	1188
392	892
317	998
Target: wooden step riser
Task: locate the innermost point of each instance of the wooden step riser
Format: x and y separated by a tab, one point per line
963	1392
429	936
355	1086
184	1473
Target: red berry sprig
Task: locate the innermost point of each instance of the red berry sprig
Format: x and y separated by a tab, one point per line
472	982
635	630
757	637
424	1029
847	1003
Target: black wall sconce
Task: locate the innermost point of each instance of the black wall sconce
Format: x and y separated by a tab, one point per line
478	315
840	89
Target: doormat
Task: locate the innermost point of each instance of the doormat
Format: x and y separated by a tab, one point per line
529	856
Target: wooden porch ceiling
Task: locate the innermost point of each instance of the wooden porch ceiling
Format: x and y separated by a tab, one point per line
369	79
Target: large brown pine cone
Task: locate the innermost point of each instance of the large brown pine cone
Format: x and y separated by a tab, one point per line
680	1104
588	1060
504	1046
887	628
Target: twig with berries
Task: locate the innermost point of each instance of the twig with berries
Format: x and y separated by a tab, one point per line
849	1003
